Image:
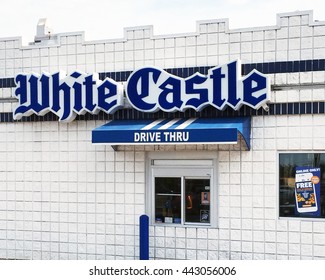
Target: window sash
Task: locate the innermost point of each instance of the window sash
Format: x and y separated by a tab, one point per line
183	173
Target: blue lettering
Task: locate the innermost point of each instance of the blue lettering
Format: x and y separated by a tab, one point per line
56	88
67	95
203	99
170	97
232	85
105	91
148	90
141	78
21	93
33	81
45	87
255	89
78	106
90	106
216	77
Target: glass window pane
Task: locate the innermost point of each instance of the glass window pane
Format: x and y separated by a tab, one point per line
287	182
197	200
168	200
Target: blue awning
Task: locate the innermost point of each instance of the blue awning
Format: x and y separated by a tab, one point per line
173	131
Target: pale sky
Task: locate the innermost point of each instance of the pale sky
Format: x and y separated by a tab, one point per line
105	19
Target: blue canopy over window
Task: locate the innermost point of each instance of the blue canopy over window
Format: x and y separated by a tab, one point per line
173	131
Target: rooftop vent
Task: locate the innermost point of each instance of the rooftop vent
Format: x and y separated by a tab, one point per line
44	32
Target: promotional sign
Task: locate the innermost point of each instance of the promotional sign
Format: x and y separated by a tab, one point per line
307	191
148	89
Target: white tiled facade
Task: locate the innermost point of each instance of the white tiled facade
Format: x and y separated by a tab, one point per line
63	198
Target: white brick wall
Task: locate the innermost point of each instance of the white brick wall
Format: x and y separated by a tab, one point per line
212	43
63	198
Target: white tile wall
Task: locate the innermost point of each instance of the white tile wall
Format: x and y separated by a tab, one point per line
60	198
63	198
213	43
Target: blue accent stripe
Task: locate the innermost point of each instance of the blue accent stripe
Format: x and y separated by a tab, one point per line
290	108
200	131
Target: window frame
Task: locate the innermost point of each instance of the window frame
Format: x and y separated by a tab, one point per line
312	219
190	171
